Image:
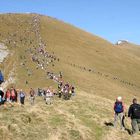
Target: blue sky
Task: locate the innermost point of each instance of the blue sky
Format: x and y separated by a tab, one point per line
110	19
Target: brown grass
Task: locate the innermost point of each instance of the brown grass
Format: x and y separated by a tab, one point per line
83	117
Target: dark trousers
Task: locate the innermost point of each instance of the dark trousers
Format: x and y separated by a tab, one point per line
13	98
60	94
22	100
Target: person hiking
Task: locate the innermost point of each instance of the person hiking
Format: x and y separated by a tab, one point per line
1	78
1	96
72	88
1	100
32	96
60	85
119	113
134	114
22	97
60	75
8	96
66	91
59	92
49	95
71	91
13	95
40	92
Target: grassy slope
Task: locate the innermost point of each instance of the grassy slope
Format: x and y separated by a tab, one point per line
79	47
131	48
83	117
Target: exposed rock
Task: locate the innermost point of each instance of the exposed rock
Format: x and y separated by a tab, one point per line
3	52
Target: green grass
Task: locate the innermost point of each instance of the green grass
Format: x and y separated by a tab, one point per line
75	135
57	120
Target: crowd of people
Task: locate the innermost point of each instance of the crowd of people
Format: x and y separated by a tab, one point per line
64	91
12	95
121	114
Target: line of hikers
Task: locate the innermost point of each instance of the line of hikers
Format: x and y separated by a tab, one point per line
65	91
56	78
11	95
47	94
133	113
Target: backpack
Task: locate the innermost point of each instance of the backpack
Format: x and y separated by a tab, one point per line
136	111
118	107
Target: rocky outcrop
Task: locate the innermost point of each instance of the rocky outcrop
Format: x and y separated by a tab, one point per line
3	52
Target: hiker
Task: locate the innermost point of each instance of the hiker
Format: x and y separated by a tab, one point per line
1	96
39	92
119	113
8	96
13	94
1	92
60	75
49	96
69	94
32	96
1	78
43	92
22	97
60	85
134	114
1	100
59	92
72	90
66	91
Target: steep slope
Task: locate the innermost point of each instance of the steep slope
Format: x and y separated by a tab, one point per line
70	44
100	71
80	47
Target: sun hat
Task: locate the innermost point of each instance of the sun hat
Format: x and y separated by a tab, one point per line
119	98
